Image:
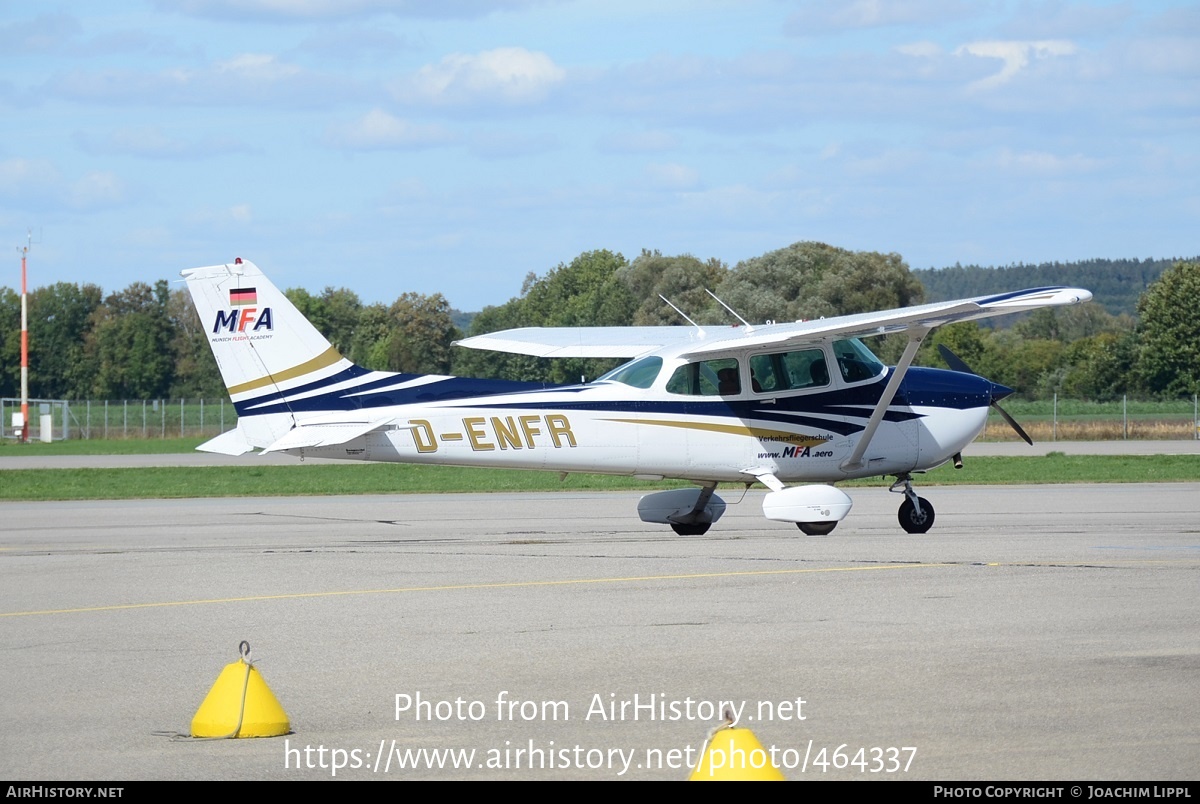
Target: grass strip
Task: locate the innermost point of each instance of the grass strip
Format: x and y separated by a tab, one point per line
101	446
327	479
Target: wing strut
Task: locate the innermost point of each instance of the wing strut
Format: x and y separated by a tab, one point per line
916	334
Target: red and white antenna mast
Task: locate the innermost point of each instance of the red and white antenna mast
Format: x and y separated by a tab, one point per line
25	344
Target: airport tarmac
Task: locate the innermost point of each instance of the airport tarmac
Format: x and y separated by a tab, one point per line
1013	448
1036	633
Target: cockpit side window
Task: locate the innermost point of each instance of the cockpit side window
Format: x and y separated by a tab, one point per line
719	377
788	371
855	360
638	373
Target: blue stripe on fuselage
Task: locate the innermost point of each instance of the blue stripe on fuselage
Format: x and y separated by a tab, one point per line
835	411
359	396
843	411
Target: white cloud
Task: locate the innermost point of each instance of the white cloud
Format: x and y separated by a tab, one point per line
508	75
502	144
38	183
920	49
1015	55
356	43
19	177
97	189
378	130
233	216
1044	164
821	16
333	9
153	143
45	33
638	141
261	67
673	176
249	78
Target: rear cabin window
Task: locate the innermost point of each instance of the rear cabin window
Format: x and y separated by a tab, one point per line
720	377
788	371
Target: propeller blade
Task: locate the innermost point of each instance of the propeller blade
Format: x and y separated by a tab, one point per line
1013	423
956	363
953	360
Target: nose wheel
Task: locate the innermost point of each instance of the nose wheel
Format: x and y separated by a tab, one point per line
916	513
916	517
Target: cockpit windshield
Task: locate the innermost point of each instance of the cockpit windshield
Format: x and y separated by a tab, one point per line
637	373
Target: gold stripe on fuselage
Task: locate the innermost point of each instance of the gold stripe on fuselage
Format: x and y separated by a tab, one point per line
762	433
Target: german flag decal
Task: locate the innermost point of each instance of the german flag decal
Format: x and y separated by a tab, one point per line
240	297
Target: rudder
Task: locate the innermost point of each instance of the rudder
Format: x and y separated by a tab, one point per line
262	344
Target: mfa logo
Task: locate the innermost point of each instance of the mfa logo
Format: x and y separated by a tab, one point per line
245	313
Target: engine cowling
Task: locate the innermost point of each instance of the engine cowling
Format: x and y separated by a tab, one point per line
813	503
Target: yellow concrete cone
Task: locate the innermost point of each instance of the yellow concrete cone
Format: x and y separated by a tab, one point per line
240	704
735	755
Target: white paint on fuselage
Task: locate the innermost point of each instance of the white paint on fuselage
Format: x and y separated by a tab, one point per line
703	448
612	428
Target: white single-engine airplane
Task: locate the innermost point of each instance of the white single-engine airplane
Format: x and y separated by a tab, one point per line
795	407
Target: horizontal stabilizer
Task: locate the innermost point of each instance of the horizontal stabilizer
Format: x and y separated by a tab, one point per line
229	443
325	435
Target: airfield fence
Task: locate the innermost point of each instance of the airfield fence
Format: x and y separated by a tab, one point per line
1055	419
129	418
1124	418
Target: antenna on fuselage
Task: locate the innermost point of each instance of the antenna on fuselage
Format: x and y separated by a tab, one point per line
682	314
733	312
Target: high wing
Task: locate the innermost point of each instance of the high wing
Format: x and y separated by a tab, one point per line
591	341
635	341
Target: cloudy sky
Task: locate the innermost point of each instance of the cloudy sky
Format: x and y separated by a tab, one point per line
455	146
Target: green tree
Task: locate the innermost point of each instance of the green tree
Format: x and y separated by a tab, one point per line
809	280
1168	357
480	363
334	313
587	292
421	334
195	374
972	343
1030	366
60	317
1070	324
1099	367
10	342
130	343
369	347
683	280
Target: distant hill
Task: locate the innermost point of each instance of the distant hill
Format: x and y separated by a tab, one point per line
462	321
1115	284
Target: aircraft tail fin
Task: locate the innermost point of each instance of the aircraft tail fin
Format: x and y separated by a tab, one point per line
266	349
260	340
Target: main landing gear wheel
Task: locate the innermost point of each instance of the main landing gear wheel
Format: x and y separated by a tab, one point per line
913	522
816	528
691	530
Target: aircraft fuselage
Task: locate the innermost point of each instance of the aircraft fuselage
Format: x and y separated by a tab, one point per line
602	428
